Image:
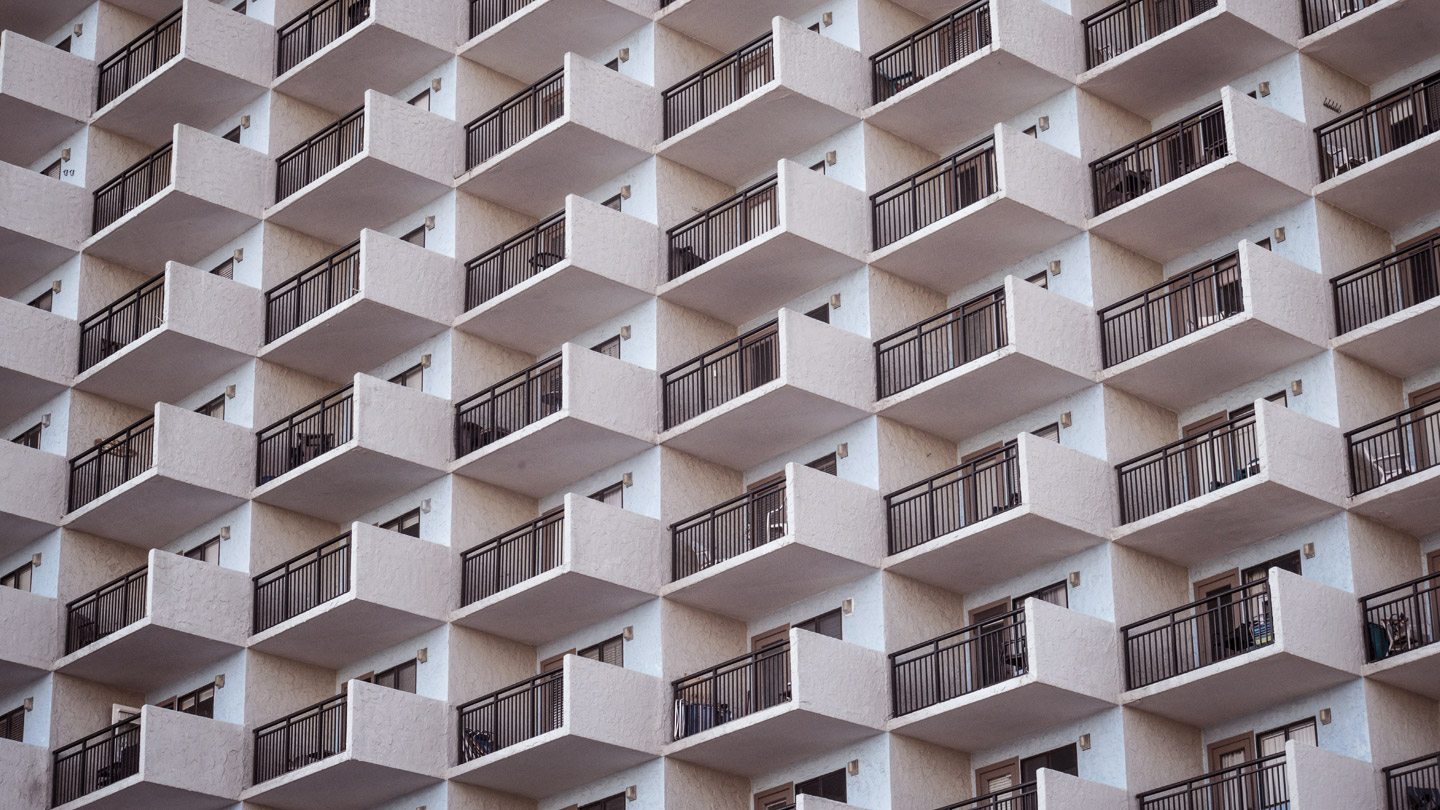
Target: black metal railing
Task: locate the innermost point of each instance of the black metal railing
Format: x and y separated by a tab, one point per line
117	604
958	497
1204	632
930	50
723	227
1188	468
721	374
139	58
1020	797
316	27
307	434
1380	127
112	462
312	292
512	404
1255	785
933	193
1129	23
515	119
1403	618
512	715
1167	155
718	85
1395	447
302	583
1387	285
1410	785
936	345
513	557
515	261
99	760
958	663
728	530
135	185
319	153
296	740
120	324
1172	309
485	14
1320	14
737	688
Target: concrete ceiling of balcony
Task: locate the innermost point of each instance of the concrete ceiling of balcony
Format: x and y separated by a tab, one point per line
763	580
1407	30
28	257
547	765
1390	189
360	193
150	510
545	456
40	19
554	604
137	792
336	783
340	631
534	175
546	309
1408	504
354	336
344	483
127	657
767	740
1403	344
997	714
21	393
1234	688
170	226
28	131
368	57
181	91
530	43
729	24
1415	671
162	366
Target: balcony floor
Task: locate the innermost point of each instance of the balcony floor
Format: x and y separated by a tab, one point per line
356	335
534	175
1402	344
181	91
360	193
1408	504
765	579
769	739
544	608
1415	671
127	658
760	424
150	510
542	457
546	765
161	366
347	481
170	226
340	631
368	56
997	714
336	783
1392	190
1240	686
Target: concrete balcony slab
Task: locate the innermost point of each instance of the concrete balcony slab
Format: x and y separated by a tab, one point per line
529	42
32	494
1390	190
30	645
46	95
28	767
37	357
727	24
1348	44
43	233
1407	504
1401	344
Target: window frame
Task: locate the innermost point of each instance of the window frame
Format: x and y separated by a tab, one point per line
198	698
423	94
599	648
213	542
604	346
603	495
403	378
398	524
12	722
812	624
28	570
210	408
48	299
25	438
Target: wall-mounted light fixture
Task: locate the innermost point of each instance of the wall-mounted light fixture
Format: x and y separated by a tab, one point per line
1054	267
625	192
630	793
224	532
1084	742
430	223
627	480
853	767
230	392
220	681
848	607
842	450
830	158
1074	579
624	54
628	633
1044	123
1279	234
244	122
35	559
45	419
435	84
828	18
425	506
1297	387
1264	89
1309	550
79	29
55	286
422	655
239	254
65	154
1324	717
425	360
625	332
1065	419
835	301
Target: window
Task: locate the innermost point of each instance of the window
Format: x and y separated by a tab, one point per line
825	464
616	802
422	101
1264	243
819	167
45	300
826	624
413	377
53	170
1050	431
239	7
1033	132
31	437
775	798
1040	279
816	29
1062	759
614	64
200	703
407	524
1288	562
400	677
215	408
1273	742
225	269
609	348
64	44
613	495
208	551
12	724
19	579
1249	408
609	651
1054	594
233	135
826	786
820	313
614	202
415	237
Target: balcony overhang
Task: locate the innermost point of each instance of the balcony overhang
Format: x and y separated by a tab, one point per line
534	175
171	225
42	234
765	579
151	509
759	424
30	644
1407	504
340	631
997	714
553	762
542	457
1402	344
1416	671
542	311
372	55
1406	29
345	482
362	192
126	658
46	95
768	739
553	604
39	20
162	366
531	41
339	782
1392	190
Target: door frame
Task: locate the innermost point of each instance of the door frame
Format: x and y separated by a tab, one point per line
1010	766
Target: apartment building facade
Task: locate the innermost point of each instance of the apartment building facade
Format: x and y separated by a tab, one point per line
720	404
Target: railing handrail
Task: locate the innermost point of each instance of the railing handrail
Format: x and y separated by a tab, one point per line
109	442
516	533
997	294
500	108
733	56
135	168
122	301
1009	448
519	686
1022	789
522	374
120	580
306	18
1397	417
339	393
978	147
324	263
111	730
529	233
1350	276
1003	619
1374	105
1206	777
909	40
334	700
1158	135
728	202
710	672
1260	586
1365	600
753	495
331	127
299	557
1198	438
1184	280
736	343
1407	763
125	50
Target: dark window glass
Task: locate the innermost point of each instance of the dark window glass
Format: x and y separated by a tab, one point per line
826	624
609	651
1062	759
225	269
233	135
820	313
819	167
422	101
19	579
1288	562
826	786
64	44
614	202
1050	431
200	703
45	300
12	725
31	437
1054	594
825	464
816	29
610	348
416	237
215	408
1273	742
239	7
413	377
616	802
613	494
1033	132
407	524
53	170
613	64
400	677
208	551
1040	279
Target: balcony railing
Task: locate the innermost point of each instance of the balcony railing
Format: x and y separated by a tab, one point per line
1380	127
1188	468
1394	447
719	85
1320	14
517	118
930	50
961	496
97	761
307	434
1204	632
513	557
937	345
728	530
512	715
737	688
1403	618
512	404
723	227
139	58
318	26
113	328
933	193
967	660
112	462
1167	155
721	374
515	261
1409	785
1129	23
312	292
1387	285
111	607
485	14
296	740
1176	307
135	185
302	583
1020	797
1255	785
319	154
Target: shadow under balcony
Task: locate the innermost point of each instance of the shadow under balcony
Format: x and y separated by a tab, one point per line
45	97
29	645
526	38
1400	633
1395	470
1385	311
727	24
42	234
37	351
1369	40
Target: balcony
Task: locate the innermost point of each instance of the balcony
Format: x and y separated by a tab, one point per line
1401	628
42	234
161	758
1394	477
560	729
1378	162
31	503
160	477
1408	783
727	24
779	705
1243	650
360	306
168	337
27	767
1051	790
1195	46
723	261
1213	328
29	646
1343	33
571	130
197	66
988	60
1205	176
1258	475
363	747
391	584
37	351
974	366
572	271
1301	776
1385	310
560	573
778	95
187	613
993	203
776	545
767	392
527	38
334	51
353	450
214	187
569	416
44	97
325	185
